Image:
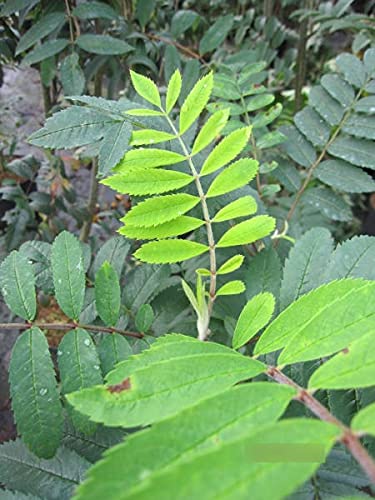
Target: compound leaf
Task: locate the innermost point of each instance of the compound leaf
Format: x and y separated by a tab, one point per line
148	158
231	264
226	150
248	231
210	130
160	209
107	294
35	398
146	88
112	349
238	174
237	208
173	90
231	288
79	367
195	102
148	181
68	274
364	421
168	251
180	225
254	316
18	285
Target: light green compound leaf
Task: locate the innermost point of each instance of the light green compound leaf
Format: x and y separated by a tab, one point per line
39	30
180	225
248	231
304	266
107	294
345	177
72	76
238	174
146	137
144	181
68	274
113	348
254	316
353	368
160	209
247	466
159	388
210	130
144	318
364	421
191	297
238	208
321	322
146	88
17	282
360	152
103	44
45	51
225	416
148	158
35	398
79	367
226	150
195	102
168	251
173	90
231	264
231	288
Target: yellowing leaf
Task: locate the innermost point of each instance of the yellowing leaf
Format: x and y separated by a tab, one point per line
233	177
210	130
159	209
147	158
238	208
168	251
146	88
231	288
254	316
226	150
180	225
148	181
173	90
248	231
195	102
146	137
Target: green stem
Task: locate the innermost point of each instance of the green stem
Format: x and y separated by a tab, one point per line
203	331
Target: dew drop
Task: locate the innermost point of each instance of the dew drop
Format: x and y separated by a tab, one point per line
96	367
43	391
59	353
86	342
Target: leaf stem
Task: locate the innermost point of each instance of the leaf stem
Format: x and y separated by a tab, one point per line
348	437
203	330
69	326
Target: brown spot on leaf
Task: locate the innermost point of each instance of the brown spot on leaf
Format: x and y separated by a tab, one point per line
125	385
345	350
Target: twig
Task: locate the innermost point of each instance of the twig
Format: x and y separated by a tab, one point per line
348	437
69	326
91	204
301	61
178	46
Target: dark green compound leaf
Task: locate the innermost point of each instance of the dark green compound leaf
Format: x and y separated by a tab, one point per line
107	294
35	398
174	374
216	34
68	274
303	268
17	281
79	367
112	349
103	44
53	479
225	417
144	318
